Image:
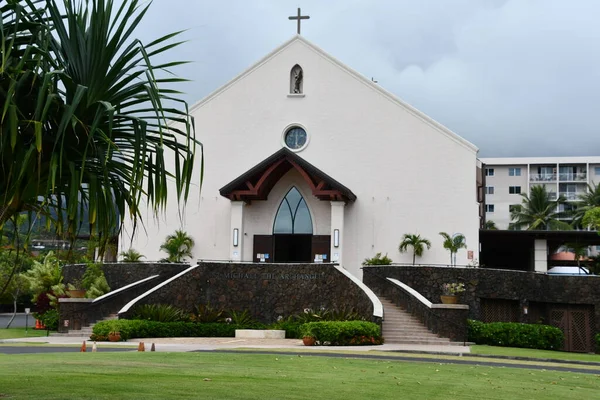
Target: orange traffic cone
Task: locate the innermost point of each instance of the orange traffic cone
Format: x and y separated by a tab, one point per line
38	325
83	347
141	347
152	348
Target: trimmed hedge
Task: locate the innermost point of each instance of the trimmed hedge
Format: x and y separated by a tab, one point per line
291	328
343	333
136	328
511	334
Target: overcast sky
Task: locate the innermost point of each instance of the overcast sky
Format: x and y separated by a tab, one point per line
514	77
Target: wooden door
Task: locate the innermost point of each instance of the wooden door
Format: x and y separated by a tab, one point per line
262	248
321	244
576	322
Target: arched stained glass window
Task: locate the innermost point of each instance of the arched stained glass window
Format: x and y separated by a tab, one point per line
293	215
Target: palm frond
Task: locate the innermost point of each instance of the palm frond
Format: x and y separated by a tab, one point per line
88	126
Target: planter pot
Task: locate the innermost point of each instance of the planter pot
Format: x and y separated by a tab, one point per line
308	341
450	299
76	293
114	336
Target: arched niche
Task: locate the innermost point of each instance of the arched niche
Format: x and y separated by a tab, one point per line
296	80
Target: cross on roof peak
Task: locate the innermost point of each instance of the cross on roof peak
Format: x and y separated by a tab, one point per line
299	17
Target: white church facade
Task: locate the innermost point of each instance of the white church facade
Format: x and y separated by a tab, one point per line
306	160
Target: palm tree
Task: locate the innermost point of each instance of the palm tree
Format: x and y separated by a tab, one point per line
587	201
490	225
538	212
592	218
85	132
178	246
416	242
132	255
579	251
453	244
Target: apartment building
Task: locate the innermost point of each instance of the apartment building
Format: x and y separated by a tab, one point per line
507	178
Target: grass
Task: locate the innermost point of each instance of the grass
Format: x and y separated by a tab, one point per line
89	345
16	333
532	353
253	376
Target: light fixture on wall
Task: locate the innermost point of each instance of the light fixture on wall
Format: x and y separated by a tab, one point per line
236	237
336	238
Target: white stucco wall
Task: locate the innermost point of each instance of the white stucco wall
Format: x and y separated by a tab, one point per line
408	175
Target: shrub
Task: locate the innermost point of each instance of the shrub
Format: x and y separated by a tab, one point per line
160	313
291	325
94	281
291	328
137	328
50	319
309	316
342	314
598	343
378	260
511	334
343	333
206	313
242	318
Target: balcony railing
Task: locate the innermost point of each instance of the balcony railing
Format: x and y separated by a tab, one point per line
572	176
570	195
542	177
552	195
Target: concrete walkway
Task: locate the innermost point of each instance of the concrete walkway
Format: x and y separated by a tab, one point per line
195	344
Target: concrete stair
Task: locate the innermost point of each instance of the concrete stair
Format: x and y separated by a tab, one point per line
400	327
85	331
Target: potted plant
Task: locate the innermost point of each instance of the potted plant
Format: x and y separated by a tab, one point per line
451	291
75	289
308	337
308	340
91	285
114	336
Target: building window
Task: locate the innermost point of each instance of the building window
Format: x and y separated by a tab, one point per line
295	138
489	190
489	208
597	170
514	189
514	207
489	172
293	216
514	172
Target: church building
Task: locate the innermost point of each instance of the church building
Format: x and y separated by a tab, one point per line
305	160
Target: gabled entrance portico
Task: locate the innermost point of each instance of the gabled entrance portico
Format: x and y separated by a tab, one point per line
292	237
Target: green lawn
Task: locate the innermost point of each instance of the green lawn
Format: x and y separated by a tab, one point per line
253	376
532	353
15	333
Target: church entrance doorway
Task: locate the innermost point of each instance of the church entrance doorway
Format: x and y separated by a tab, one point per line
292	240
292	248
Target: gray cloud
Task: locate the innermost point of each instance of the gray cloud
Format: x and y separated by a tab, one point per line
515	77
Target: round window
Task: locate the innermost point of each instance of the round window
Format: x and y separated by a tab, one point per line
295	138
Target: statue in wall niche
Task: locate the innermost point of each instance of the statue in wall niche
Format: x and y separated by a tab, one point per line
296	80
